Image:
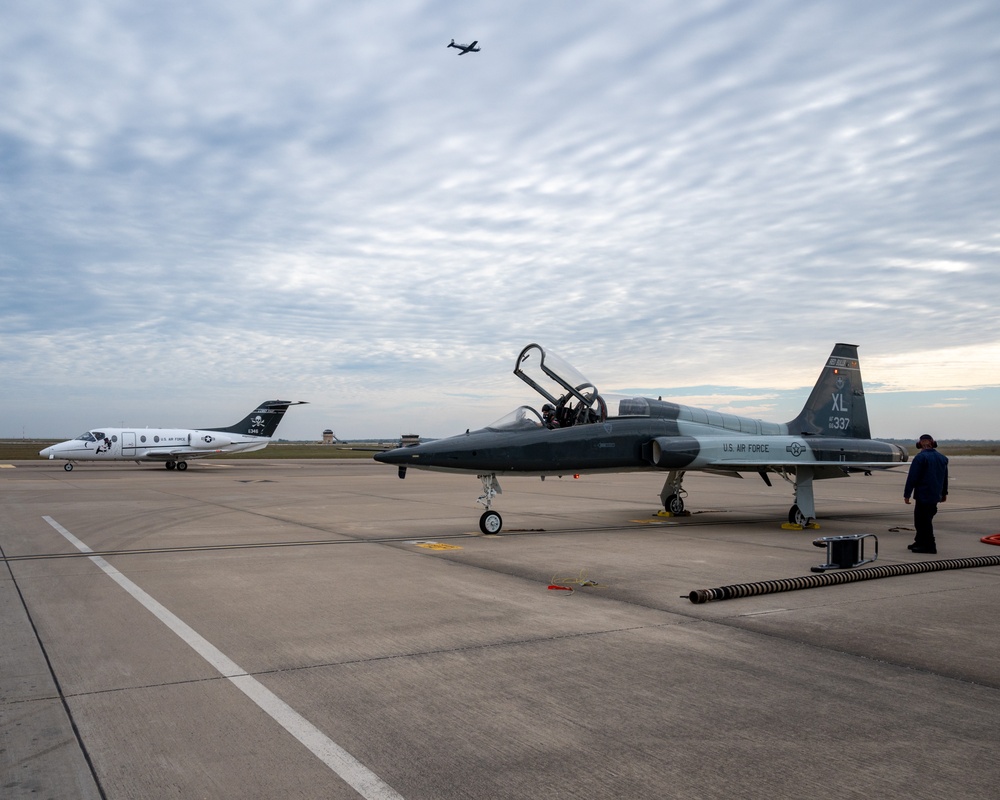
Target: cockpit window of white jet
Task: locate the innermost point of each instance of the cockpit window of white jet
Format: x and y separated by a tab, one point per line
173	447
575	434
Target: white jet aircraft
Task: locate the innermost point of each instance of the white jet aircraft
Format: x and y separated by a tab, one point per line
171	446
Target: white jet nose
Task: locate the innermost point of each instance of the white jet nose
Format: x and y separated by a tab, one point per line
53	450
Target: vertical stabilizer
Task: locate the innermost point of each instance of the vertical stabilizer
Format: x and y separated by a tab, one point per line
836	406
262	421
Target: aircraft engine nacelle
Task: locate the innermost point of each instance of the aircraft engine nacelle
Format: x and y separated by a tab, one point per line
209	441
672	452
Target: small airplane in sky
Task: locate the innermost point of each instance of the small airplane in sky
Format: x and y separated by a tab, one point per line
171	446
574	434
465	48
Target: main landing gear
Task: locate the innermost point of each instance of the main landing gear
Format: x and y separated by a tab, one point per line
490	522
180	465
796	517
802	514
672	495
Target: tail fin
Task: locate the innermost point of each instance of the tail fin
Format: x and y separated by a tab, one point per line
262	421
836	406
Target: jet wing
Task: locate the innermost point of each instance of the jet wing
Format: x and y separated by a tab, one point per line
186	453
821	469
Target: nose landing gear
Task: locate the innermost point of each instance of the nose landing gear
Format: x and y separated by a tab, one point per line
490	522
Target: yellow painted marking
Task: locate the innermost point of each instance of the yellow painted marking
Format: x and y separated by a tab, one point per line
438	546
7	466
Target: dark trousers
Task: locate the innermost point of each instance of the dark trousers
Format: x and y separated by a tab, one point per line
923	521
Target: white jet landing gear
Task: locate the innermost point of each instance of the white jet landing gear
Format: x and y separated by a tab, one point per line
672	495
490	522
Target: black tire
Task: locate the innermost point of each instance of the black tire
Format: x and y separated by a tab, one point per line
171	465
796	517
68	467
674	504
490	523
182	465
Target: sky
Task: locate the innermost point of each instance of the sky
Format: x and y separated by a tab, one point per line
207	204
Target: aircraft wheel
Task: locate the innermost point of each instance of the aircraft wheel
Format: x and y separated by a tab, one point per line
182	465
68	467
674	504
171	465
490	522
796	517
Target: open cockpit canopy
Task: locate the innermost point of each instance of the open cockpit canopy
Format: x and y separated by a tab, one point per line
575	398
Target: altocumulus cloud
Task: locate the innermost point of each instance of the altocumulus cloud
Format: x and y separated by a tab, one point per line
207	204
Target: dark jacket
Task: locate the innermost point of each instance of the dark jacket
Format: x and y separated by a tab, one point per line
928	477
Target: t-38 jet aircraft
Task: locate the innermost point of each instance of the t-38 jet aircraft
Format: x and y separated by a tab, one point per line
465	48
575	434
171	446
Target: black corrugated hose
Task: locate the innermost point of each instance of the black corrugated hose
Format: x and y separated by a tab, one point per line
834	578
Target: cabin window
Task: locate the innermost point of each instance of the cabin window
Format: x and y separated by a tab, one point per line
142	439
156	438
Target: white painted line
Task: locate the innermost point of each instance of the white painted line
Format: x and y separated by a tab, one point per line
768	611
353	772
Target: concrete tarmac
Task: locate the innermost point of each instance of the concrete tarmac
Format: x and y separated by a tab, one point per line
307	629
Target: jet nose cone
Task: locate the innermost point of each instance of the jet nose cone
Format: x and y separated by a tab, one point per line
46	453
396	456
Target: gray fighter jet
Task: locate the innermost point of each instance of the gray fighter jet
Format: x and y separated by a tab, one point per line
576	434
